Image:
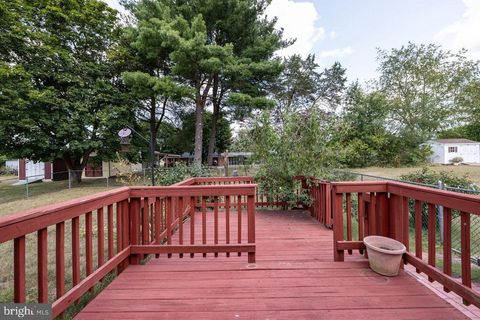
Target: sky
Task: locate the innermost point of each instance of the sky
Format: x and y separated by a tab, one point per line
350	31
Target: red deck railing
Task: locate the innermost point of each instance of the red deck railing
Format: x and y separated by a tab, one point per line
385	208
112	229
128	223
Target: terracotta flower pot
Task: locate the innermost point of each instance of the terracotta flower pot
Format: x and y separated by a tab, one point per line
384	254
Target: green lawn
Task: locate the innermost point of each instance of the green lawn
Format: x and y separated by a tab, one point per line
13	198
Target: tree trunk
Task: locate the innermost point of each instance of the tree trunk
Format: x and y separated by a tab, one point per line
153	139
213	127
200	101
213	133
76	166
199	110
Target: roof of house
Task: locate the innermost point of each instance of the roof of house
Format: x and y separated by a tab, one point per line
455	141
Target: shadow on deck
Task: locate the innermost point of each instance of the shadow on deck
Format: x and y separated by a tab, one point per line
294	277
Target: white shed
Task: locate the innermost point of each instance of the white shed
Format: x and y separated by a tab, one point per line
446	149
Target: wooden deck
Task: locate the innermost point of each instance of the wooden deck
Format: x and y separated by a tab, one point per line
294	278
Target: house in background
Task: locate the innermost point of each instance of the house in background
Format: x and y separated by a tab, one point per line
35	171
57	170
446	149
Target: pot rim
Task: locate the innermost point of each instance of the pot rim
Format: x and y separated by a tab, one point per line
390	252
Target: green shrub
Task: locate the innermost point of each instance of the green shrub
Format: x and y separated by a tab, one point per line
180	172
456	160
429	176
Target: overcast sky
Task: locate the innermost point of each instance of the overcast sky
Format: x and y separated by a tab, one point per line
349	31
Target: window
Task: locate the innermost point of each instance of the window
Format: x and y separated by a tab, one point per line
452	149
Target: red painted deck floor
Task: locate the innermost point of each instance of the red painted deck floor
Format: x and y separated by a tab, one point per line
294	278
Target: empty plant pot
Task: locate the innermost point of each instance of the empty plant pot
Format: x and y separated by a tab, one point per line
384	254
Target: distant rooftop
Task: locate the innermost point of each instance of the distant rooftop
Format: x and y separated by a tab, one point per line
455	141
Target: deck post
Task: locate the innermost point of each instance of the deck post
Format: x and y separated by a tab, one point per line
251	225
328	204
337	224
134	227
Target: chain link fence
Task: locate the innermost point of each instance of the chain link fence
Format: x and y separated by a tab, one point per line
456	226
35	185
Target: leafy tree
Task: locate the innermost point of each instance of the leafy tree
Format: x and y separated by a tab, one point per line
298	147
301	86
470	124
424	85
363	135
60	93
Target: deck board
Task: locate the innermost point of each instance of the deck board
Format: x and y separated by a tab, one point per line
294	278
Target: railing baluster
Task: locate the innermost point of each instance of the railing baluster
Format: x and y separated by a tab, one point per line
88	244
110	230
227	221
19	270
465	249
251	225
151	208
418	231
75	250
239	217
204	222
192	222
145	213
157	222
42	274
119	226
349	219
60	258
215	222
100	237
361	215
181	208
432	217
372	215
169	222
406	223
125	226
447	243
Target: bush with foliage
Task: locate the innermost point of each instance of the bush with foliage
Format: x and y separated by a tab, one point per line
297	147
456	160
180	172
429	176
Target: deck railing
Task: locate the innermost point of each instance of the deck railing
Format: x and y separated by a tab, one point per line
109	230
396	210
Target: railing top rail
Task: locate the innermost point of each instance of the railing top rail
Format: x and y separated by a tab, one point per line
464	202
186	182
25	222
223	179
194	190
106	196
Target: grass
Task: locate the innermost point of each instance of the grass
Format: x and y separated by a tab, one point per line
472	172
13	198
